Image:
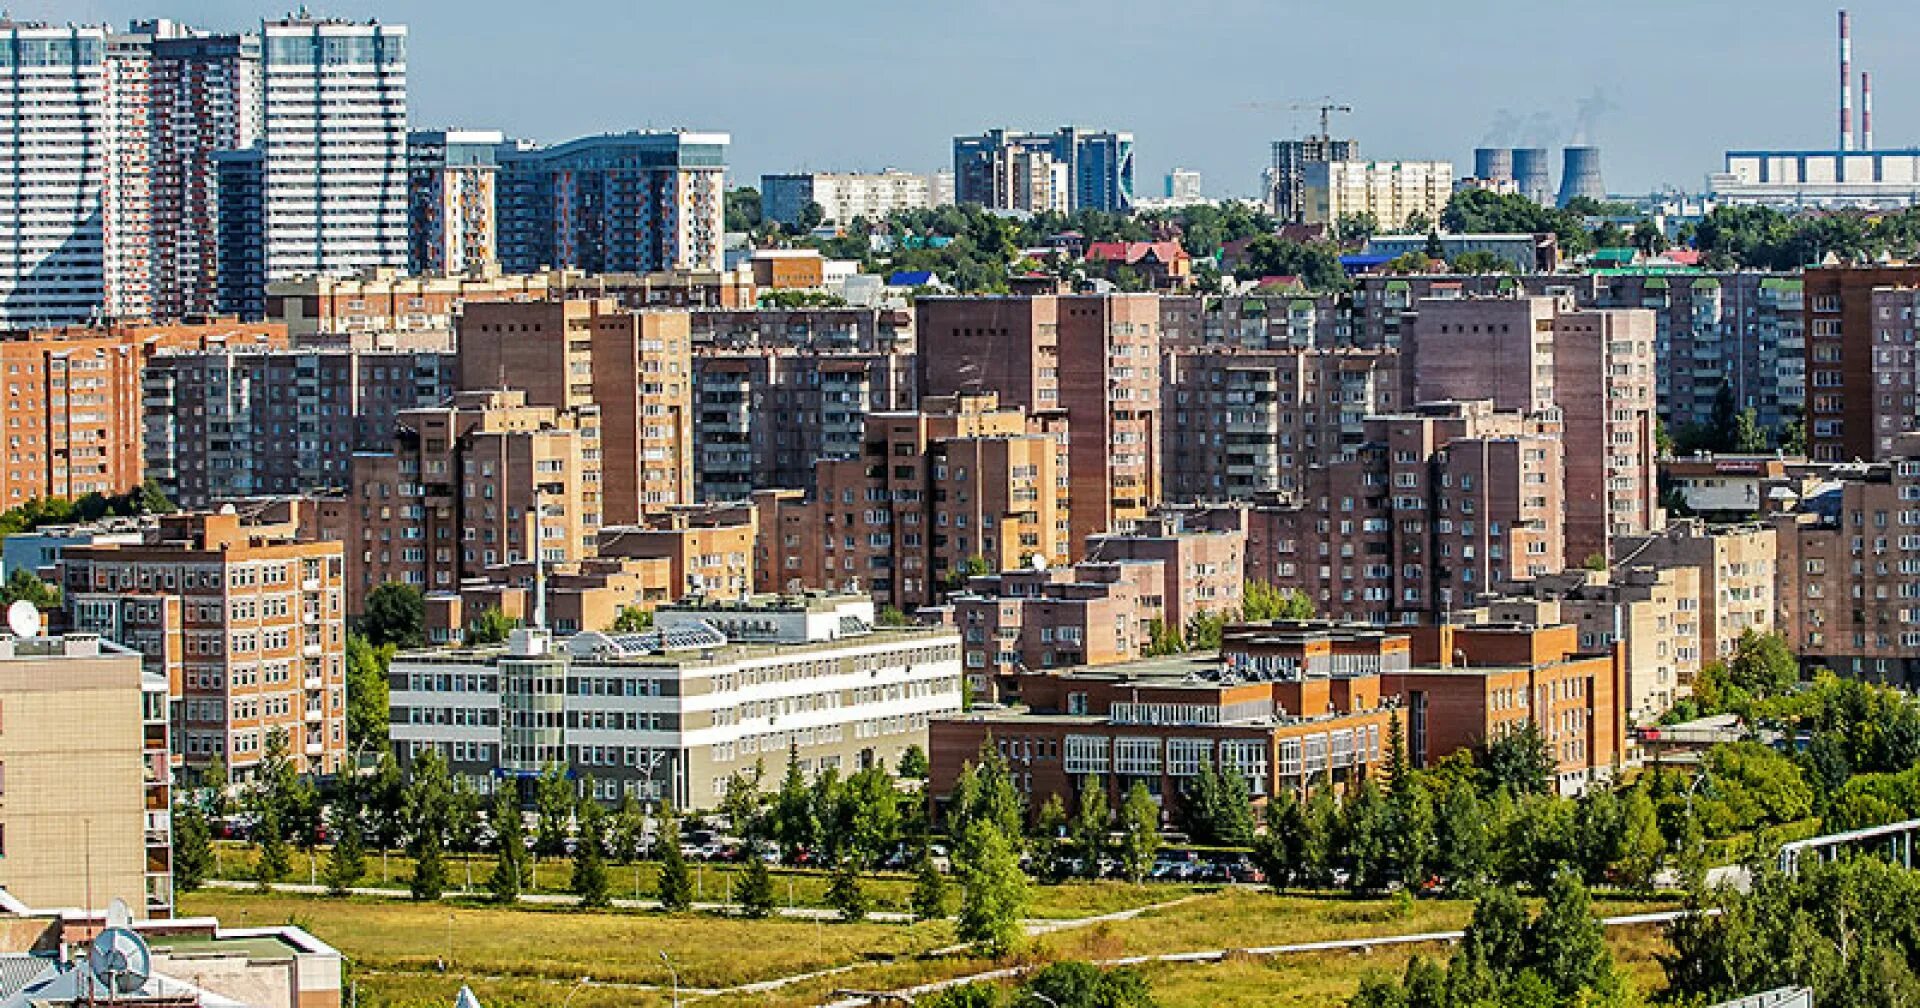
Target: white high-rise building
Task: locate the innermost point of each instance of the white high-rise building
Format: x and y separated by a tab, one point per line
53	153
335	146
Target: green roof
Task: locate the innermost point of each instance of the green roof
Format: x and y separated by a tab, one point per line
1300	305
1782	283
1615	254
1644	271
1706	283
1657	283
1398	285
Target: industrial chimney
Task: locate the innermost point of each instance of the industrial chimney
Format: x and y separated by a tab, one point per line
1531	174
1866	111
1580	175
1493	163
1846	82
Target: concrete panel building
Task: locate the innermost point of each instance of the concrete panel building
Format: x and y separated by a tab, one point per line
1394	192
1737	569
843	196
635	202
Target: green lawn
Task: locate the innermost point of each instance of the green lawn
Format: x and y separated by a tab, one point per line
714	883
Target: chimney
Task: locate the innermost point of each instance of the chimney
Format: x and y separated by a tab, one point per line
1866	110
1846	82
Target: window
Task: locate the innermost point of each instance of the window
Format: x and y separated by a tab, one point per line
1086	754
1139	757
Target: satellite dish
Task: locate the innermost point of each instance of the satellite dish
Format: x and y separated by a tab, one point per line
23	618
1037	562
119	960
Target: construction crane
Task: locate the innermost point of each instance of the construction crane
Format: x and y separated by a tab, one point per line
1326	108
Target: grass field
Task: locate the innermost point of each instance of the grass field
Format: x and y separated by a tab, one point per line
527	956
714	883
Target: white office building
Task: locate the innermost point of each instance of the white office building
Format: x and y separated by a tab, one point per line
717	688
1392	191
843	196
335	147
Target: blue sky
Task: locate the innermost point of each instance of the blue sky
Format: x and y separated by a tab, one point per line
854	84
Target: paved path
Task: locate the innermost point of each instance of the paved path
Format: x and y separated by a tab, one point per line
1216	955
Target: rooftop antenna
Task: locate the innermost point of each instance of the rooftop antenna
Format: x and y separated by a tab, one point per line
23	618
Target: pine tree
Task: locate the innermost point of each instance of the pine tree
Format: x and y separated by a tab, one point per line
993	891
629	827
1280	851
1412	825
844	892
793	825
589	859
429	880
347	862
509	876
1090	825
1139	832
929	887
1368	827
192	847
1464	851
676	882
275	858
756	887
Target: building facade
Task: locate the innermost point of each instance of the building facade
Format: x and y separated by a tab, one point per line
1069	169
1286	174
843	197
54	153
716	690
241	422
247	624
1739	575
619	203
1394	192
1860	346
452	201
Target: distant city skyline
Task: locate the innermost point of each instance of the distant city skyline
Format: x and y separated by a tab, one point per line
872	85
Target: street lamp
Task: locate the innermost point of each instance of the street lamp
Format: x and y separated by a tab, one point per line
675	974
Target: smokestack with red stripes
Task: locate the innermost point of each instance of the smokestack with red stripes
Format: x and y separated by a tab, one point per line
1846	82
1866	110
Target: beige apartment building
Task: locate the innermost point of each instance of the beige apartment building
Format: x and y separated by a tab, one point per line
1541	355
1202	553
485	479
1093	358
1737	566
86	818
1652	615
586	594
246	622
1392	191
708	549
634	367
1434	508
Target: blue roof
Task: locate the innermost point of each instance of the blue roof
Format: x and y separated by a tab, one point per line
1366	259
910	278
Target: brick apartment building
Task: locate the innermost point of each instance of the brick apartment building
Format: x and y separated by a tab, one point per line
1860	345
708	550
1093	358
581	595
1243	421
1038	620
763	416
1849	570
242	422
485	479
963	482
247	623
1202	554
634	367
1541	355
1434	508
73	404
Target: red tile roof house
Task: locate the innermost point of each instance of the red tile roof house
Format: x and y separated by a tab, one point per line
1163	265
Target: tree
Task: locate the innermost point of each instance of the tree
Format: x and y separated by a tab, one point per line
1139	832
1357	227
589	855
509	876
1412	818
1281	850
984	791
347	861
1368	828
811	216
993	891
1567	945
756	887
1084	985
553	806
1261	602
1463	849
1520	760
793	823
843	889
192	847
892	616
367	700
1640	845
23	584
1417	222
929	887
1763	664
913	764
429	880
1090	825
276	860
386	801
631	619
1162	640
1480	262
1317	264
676	882
743	209
395	613
490	627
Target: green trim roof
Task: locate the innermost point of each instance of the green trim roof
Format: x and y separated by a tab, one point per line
1399	285
1706	283
1657	283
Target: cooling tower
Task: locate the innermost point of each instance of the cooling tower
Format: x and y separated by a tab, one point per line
1493	163
1531	173
1580	175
